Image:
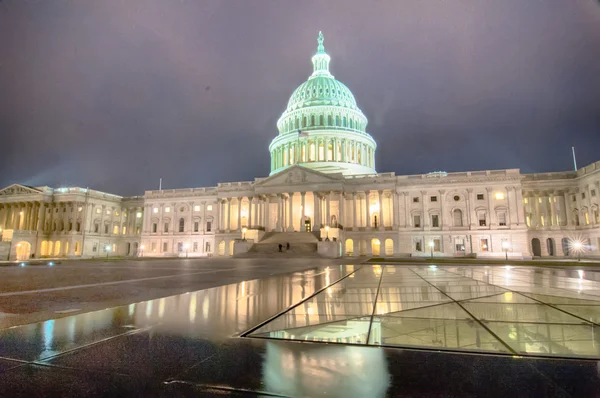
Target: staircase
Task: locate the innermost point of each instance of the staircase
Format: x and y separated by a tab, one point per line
301	243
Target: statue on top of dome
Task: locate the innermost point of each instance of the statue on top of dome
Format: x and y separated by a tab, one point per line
321	48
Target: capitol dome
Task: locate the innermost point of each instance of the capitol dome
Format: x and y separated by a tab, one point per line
322	127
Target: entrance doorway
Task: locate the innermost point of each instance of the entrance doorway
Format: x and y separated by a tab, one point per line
23	251
536	247
307	224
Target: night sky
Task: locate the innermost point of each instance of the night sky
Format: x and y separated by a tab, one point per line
114	94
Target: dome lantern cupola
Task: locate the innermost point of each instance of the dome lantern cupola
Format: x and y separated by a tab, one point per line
321	60
322	127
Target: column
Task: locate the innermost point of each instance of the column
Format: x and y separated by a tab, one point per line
266	213
395	209
278	223
442	208
328	208
470	217
41	214
316	221
381	218
424	209
367	210
406	210
567	210
291	211
354	226
239	214
303	211
250	202
551	197
228	223
342	209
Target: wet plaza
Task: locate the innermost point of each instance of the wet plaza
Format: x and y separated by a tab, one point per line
338	330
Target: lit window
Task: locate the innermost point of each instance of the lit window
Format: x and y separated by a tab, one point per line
482	221
484	245
554	199
528	221
155	210
124	230
596	216
98	211
542	221
167	209
499	196
115	229
549	200
525	200
81	208
108	212
117	213
539	200
587	218
209	208
138	215
479	196
196	208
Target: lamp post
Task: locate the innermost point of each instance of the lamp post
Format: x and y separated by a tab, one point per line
142	251
327	230
107	249
506	246
431	247
578	246
186	247
244	230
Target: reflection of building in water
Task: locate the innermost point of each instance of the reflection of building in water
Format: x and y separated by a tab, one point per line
323	180
305	370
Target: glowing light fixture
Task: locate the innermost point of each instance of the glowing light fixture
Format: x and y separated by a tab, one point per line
499	196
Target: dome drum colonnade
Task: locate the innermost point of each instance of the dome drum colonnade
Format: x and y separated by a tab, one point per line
322	127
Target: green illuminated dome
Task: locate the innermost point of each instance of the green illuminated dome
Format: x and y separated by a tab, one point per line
322	127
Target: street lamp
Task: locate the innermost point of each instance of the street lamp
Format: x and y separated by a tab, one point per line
186	246
578	247
431	246
244	230
107	249
506	246
327	230
142	251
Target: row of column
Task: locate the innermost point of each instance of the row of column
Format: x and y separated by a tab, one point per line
303	151
23	216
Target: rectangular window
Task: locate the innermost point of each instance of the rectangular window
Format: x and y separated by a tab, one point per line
433	198
196	208
78	227
416	199
138	230
502	219
106	228
167	209
96	228
574	198
418	246
195	247
583	195
165	246
97	211
153	246
587	218
539	200
499	196
479	196
138	215
593	192
543	221
166	229
437	245
435	221
154	227
95	248
116	230
196	225
528	221
417	221
525	200
208	226
481	218
596	216
155	210
207	248
484	245
208	207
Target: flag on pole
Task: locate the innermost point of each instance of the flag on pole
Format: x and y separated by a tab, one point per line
302	134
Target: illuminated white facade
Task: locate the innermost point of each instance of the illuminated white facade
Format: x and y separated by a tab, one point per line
322	181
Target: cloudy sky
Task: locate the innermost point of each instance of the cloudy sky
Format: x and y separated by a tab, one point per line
115	94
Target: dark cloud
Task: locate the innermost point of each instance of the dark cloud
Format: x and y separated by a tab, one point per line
115	94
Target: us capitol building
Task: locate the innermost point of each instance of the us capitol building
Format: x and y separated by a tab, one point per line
322	194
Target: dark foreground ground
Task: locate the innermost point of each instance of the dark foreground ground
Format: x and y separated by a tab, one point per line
181	337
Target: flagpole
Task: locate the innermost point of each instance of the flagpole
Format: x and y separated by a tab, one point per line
574	160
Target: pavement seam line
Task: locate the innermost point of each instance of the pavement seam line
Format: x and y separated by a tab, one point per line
261	324
471	315
375	305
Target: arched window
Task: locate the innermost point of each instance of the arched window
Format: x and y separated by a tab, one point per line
296	122
312	120
344	121
181	225
320	120
329	120
304	123
351	124
337	121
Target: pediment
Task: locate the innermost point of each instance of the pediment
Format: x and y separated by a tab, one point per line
297	175
18	189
